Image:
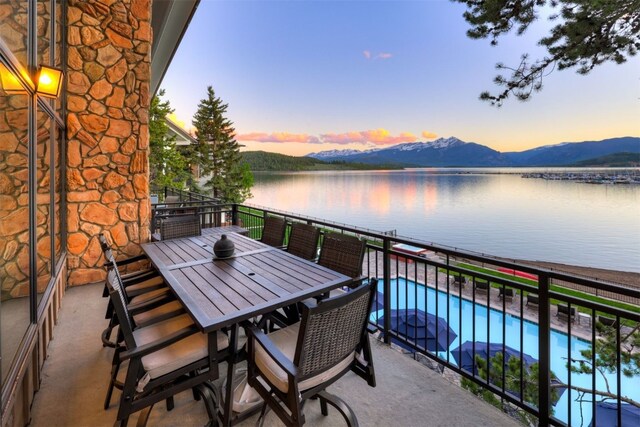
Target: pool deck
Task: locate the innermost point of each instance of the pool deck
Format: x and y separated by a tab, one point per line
517	307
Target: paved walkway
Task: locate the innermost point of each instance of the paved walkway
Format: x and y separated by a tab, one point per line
75	378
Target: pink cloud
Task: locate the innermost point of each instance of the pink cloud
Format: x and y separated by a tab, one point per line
384	55
366	54
428	135
376	137
278	137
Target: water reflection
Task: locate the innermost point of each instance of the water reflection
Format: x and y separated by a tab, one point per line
499	214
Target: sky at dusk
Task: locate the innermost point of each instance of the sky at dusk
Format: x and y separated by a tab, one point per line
305	76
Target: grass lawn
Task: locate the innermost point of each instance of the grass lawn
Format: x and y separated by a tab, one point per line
554	288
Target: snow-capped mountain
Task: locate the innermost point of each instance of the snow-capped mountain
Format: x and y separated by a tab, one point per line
451	152
441	152
330	154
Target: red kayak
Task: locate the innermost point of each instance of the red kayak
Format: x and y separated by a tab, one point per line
518	273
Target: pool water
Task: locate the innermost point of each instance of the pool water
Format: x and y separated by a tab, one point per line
406	294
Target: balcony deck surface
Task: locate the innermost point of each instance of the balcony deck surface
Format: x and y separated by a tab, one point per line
75	379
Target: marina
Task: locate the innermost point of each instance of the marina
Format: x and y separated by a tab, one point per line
614	177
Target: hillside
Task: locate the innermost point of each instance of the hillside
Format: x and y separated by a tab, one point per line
568	153
264	161
616	160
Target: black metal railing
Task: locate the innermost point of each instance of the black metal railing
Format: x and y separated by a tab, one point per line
520	310
570	350
211	214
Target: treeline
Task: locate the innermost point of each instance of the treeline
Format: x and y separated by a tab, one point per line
612	160
263	161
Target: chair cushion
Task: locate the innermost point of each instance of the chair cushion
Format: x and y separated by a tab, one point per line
286	340
154	281
154	313
148	296
177	355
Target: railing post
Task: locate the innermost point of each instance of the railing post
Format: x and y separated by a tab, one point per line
544	336
386	272
234	214
152	224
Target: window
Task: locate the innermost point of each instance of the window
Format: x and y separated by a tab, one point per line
14	224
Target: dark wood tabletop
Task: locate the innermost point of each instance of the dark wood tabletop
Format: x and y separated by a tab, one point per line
256	280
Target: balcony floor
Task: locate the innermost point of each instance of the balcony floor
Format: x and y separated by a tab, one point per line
75	378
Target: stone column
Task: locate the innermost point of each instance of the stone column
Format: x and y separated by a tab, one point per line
109	66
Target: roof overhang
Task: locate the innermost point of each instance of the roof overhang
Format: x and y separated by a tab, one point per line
169	20
182	136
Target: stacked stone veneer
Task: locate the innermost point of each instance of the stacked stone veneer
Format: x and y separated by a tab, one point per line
108	60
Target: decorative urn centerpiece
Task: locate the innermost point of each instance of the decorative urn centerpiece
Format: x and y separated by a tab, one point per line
224	247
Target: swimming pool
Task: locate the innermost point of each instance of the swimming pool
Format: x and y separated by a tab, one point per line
406	294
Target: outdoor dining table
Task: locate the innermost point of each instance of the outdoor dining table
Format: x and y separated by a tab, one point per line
221	293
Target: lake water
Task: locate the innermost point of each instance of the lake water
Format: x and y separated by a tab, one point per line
491	211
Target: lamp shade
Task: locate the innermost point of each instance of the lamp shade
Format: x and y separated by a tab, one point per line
49	82
10	83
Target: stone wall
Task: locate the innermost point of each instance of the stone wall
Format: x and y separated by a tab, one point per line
109	48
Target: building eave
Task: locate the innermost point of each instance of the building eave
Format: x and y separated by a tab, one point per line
170	19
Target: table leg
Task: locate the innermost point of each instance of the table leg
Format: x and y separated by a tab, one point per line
228	393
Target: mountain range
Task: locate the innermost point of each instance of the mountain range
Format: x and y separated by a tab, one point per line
453	152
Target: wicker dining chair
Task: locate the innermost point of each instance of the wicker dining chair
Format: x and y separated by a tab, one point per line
154	306
140	286
273	231
303	241
299	362
343	253
165	358
180	226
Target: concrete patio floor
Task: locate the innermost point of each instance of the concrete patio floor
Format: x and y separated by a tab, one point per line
75	379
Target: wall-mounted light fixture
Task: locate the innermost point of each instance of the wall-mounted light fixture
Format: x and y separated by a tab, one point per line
10	83
49	82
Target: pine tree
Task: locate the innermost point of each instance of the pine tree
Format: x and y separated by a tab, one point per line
587	33
167	166
217	152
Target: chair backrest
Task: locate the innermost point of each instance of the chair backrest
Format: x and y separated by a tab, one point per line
332	330
119	301
106	250
273	231
303	240
342	253
180	226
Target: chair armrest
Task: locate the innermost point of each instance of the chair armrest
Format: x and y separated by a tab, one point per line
131	260
135	292
138	276
273	351
127	261
162	317
161	343
150	304
357	281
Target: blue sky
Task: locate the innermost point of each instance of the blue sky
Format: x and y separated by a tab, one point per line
303	76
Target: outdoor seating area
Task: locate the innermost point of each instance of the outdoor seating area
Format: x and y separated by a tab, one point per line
506	293
565	313
76	354
148	276
481	286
